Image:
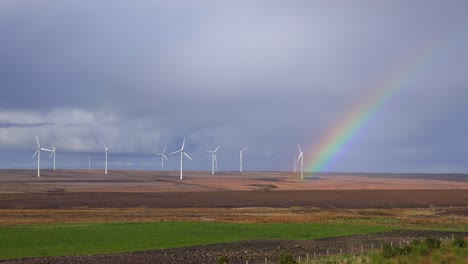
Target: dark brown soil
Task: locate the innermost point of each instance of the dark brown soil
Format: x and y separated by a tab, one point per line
253	251
236	199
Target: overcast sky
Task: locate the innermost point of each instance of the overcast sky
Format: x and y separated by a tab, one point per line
140	75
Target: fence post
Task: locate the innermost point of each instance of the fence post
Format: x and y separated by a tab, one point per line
266	261
372	246
307	257
299	259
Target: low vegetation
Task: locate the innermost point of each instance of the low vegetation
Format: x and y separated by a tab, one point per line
413	219
430	250
83	239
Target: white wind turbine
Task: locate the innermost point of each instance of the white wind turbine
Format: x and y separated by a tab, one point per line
301	157
163	156
214	159
38	153
53	153
294	161
240	158
107	150
182	153
89	162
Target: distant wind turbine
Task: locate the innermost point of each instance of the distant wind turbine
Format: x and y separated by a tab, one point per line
240	158
53	153
294	161
89	162
38	153
107	150
163	156
301	157
182	153
214	159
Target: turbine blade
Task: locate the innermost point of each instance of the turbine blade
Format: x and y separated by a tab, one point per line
217	148
298	158
187	155
209	151
51	153
300	150
164	156
106	147
183	144
159	154
35	153
175	152
38	142
244	149
164	151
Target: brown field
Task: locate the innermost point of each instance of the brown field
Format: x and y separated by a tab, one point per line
134	196
435	218
20	181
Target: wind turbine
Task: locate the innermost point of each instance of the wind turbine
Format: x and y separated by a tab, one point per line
89	162
53	153
294	161
214	159
163	156
240	158
301	157
182	153
107	150
38	153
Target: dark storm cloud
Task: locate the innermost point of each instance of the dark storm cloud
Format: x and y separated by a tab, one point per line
141	75
12	124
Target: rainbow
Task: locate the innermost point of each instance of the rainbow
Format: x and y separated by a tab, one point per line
338	137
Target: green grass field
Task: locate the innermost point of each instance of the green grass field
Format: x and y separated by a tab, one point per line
81	239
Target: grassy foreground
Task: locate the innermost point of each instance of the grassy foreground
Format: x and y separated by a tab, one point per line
81	239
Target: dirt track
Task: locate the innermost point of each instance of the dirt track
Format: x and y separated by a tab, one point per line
237	199
255	251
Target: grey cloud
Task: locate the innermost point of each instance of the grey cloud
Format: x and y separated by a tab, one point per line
141	75
8	124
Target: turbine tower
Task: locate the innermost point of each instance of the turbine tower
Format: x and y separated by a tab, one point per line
301	157
38	153
163	156
53	153
214	159
89	162
182	153
294	161
240	158
107	150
